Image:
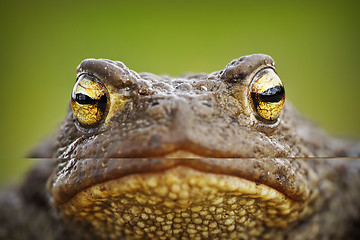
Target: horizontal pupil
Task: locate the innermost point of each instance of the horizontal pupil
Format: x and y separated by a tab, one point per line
85	99
274	94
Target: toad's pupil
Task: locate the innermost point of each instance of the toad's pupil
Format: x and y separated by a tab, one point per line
274	94
84	99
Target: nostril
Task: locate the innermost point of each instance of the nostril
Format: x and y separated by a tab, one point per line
205	103
155	103
160	109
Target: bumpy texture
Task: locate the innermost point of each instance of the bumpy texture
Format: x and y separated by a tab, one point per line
183	203
185	158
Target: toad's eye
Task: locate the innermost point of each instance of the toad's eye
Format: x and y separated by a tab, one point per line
89	101
267	95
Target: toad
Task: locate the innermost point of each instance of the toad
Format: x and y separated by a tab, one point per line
199	156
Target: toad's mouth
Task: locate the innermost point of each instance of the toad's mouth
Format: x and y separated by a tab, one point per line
285	175
117	195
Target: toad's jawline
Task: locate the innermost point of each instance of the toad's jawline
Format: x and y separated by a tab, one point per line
73	178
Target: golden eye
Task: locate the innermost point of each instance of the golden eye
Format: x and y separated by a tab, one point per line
89	100
267	95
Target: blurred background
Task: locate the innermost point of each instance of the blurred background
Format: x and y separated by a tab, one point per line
315	45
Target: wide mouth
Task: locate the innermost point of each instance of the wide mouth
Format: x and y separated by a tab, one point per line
146	198
285	175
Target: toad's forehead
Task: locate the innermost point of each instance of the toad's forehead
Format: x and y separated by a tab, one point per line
185	85
117	74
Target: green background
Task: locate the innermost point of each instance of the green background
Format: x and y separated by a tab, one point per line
315	45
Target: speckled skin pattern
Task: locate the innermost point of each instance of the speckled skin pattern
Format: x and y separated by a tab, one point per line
186	158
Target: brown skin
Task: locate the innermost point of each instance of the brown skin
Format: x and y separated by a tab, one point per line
201	127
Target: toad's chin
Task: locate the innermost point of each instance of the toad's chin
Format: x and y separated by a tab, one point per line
141	196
